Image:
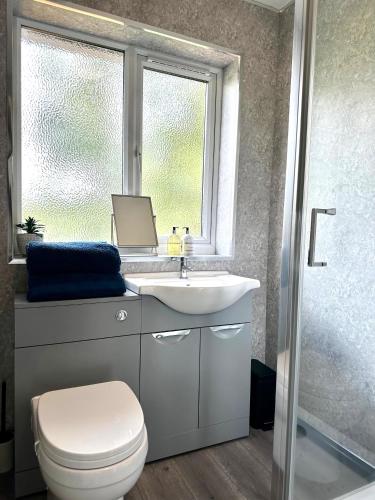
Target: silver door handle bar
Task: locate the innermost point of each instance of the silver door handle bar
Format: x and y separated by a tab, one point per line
226	327
166	335
226	332
314	221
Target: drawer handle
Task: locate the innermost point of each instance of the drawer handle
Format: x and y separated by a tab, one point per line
227	331
171	337
121	315
226	327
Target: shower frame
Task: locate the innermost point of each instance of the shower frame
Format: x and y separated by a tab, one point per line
291	251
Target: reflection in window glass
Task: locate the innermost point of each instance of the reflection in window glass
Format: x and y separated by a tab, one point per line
72	102
174	110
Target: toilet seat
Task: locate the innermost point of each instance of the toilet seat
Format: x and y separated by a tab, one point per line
74	430
94	479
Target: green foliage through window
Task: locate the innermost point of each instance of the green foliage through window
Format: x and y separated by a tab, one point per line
174	111
72	105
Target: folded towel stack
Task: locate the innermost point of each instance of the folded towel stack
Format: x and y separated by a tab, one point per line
78	270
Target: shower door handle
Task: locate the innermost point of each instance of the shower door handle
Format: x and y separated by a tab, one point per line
314	220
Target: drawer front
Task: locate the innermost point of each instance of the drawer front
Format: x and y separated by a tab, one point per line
56	324
51	367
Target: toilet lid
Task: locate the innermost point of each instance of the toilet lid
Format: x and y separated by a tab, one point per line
91	426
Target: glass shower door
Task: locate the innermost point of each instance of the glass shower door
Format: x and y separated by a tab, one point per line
334	448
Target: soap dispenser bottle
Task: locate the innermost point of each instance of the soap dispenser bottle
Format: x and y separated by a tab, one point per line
174	243
187	243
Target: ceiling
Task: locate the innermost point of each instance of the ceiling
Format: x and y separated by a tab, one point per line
272	4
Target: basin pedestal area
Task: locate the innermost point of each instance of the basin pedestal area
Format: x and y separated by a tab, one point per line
191	372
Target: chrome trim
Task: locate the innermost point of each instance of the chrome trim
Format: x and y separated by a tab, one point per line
168	335
184	268
292	251
121	315
314	222
226	332
226	327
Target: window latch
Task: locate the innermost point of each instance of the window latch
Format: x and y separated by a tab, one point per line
138	155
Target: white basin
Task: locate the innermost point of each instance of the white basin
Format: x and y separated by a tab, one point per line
201	293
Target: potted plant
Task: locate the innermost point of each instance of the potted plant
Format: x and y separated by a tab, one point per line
32	231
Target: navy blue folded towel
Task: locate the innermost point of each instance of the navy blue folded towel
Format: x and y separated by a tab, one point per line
75	257
74	286
77	270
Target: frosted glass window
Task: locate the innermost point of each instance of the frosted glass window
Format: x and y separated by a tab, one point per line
173	146
71	124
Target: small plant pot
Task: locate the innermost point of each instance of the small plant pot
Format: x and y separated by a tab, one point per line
24	238
6	452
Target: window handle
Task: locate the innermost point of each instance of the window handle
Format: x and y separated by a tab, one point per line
314	221
138	155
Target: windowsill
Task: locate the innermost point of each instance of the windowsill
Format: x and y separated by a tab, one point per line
169	258
149	258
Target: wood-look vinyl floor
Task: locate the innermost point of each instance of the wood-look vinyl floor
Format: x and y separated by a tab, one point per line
237	470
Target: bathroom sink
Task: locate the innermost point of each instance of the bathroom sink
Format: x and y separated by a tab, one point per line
200	293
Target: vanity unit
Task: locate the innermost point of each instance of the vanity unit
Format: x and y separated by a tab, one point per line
191	372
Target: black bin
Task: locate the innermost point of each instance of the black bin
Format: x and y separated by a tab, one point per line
262	397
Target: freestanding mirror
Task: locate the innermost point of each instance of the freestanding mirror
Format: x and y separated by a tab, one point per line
134	223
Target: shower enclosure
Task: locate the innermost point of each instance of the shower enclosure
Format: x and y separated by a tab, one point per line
325	416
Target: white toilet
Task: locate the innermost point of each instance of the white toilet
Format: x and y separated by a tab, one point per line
91	441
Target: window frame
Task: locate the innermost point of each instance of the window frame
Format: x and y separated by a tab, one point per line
136	59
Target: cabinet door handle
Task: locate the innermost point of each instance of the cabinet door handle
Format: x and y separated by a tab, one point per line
227	331
314	222
171	337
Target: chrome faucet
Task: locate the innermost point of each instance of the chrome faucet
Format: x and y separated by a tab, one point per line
184	268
